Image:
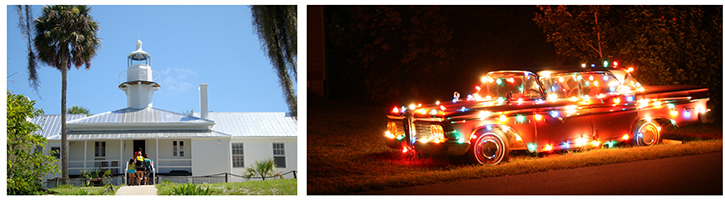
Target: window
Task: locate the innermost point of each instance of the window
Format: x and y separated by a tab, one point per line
55	152
237	155
532	91
178	148
278	151
100	149
181	148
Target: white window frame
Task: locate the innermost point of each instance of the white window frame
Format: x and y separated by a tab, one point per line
238	158
177	148
278	152
100	149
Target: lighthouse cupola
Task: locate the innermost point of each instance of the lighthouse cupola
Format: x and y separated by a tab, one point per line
138	83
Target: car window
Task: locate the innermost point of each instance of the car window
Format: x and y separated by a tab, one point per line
582	84
560	85
533	91
509	85
595	83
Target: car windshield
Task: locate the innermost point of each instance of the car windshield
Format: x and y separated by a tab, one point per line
583	84
513	85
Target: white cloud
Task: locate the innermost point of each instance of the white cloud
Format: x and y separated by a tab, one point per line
174	78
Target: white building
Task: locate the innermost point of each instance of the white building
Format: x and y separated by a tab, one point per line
211	143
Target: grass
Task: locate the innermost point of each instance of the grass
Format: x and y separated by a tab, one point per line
268	187
75	190
346	153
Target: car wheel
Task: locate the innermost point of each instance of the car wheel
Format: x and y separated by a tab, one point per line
489	149
647	134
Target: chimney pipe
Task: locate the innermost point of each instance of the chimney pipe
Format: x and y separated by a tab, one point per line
203	102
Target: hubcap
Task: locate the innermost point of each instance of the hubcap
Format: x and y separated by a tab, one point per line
647	135
489	149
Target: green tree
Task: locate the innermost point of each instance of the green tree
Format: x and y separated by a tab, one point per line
188	112
674	45
276	27
26	163
578	32
66	35
75	109
264	169
665	44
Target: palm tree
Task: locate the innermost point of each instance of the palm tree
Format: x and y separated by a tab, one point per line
65	35
79	110
276	27
264	169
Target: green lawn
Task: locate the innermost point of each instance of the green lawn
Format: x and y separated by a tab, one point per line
346	153
74	190
268	187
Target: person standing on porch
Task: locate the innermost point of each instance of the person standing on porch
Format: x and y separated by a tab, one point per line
140	168
149	167
131	172
138	153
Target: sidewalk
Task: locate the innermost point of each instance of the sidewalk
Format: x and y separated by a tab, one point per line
137	190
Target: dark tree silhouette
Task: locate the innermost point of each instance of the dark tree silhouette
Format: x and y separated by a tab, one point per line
578	32
665	44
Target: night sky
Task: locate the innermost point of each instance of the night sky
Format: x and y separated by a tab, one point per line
484	38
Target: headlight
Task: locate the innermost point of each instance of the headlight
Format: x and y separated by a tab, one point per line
392	128
437	134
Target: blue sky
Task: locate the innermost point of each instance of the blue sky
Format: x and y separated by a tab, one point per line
189	45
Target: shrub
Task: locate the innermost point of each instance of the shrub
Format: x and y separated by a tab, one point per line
189	189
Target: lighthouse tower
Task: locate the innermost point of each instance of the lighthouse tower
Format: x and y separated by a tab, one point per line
139	83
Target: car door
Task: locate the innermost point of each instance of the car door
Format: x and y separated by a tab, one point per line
564	121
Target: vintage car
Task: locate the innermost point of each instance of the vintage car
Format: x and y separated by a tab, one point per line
545	112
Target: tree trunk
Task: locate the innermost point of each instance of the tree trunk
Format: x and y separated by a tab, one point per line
63	132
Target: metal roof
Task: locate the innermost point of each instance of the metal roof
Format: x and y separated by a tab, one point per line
253	124
235	124
143	134
51	124
147	115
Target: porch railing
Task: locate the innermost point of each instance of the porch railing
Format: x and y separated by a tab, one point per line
167	165
75	167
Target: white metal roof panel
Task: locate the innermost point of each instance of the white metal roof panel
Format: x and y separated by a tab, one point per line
51	124
142	134
147	115
253	124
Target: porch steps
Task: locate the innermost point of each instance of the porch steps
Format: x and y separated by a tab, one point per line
137	190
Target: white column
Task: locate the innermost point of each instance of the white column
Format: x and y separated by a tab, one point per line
156	168
85	153
120	161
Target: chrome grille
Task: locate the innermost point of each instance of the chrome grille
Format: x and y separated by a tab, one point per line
422	129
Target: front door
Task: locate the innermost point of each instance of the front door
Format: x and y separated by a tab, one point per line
139	144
